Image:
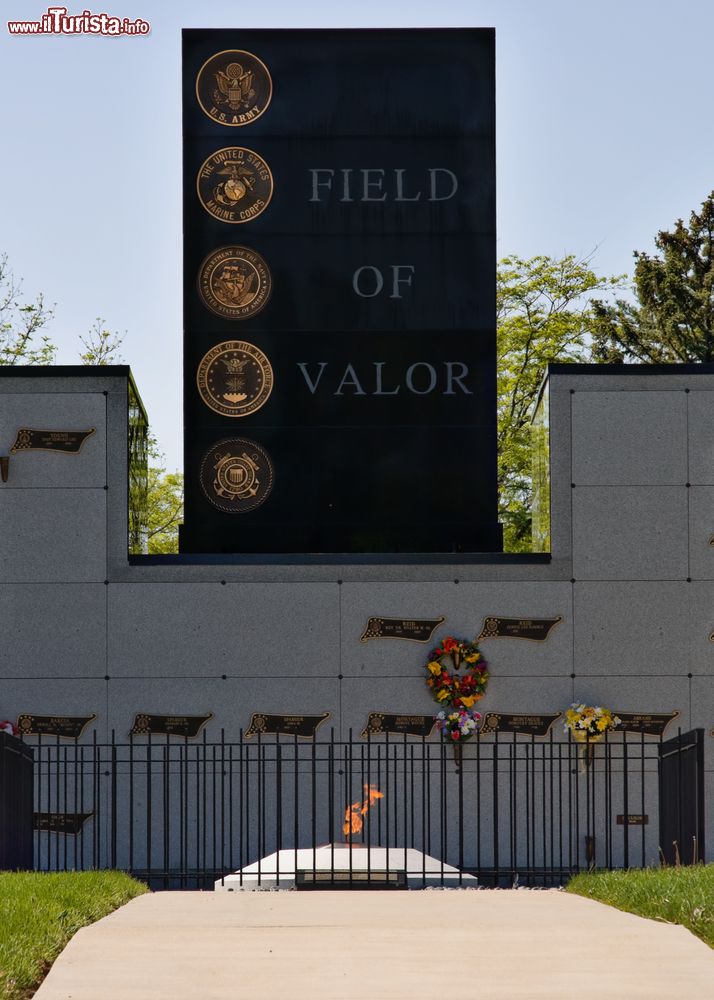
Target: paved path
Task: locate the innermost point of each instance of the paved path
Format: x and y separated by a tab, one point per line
509	945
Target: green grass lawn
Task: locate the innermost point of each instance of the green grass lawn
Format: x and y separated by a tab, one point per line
40	912
676	895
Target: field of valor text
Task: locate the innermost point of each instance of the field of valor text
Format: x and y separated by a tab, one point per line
377	184
420	378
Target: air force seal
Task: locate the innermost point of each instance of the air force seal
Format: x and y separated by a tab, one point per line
234	378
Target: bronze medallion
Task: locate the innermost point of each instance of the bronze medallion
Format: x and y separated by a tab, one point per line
234	87
236	475
234	185
234	282
234	378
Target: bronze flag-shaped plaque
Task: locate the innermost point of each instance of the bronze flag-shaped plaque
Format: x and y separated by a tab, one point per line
69	442
285	725
169	725
644	722
380	723
70	727
60	822
527	725
416	629
535	629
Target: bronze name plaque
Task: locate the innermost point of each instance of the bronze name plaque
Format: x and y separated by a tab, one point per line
69	727
68	442
234	282
415	629
380	723
303	726
169	725
633	819
526	725
237	475
643	722
234	185
535	629
60	822
234	87
234	378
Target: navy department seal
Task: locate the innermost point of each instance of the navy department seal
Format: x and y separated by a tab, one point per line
234	87
234	185
236	475
234	282
234	378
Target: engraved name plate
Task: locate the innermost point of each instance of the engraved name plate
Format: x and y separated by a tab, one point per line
525	724
69	727
169	725
416	629
535	629
380	723
303	726
60	822
644	722
69	442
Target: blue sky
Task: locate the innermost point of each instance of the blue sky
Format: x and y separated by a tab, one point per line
604	137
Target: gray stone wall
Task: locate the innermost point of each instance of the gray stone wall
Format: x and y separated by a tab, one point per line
631	573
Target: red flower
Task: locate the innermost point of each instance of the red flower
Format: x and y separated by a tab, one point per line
454	735
450	644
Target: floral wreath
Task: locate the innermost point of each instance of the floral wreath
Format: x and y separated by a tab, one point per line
463	689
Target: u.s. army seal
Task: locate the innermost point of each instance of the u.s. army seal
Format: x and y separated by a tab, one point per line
234	282
234	185
234	378
236	475
234	87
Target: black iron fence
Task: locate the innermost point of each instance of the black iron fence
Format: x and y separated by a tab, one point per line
182	813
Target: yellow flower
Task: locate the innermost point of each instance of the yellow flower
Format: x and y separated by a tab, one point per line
434	667
472	657
468	700
442	695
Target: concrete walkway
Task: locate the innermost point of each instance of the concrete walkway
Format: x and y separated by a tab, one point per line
509	945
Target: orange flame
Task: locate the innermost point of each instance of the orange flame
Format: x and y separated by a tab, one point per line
354	813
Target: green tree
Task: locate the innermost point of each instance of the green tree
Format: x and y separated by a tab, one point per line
672	319
544	315
101	346
21	323
164	503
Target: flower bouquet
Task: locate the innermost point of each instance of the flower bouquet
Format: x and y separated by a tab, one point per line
588	724
9	727
457	727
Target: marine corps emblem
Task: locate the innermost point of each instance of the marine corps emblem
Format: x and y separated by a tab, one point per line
234	87
236	475
234	379
234	282
234	185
